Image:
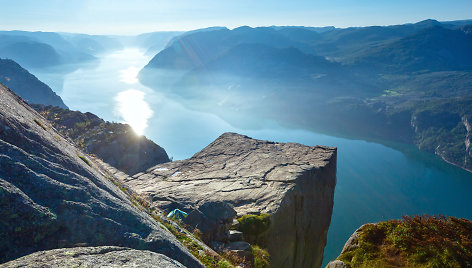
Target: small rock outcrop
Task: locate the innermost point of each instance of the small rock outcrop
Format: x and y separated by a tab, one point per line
336	264
112	257
417	241
114	143
52	195
291	182
213	220
351	244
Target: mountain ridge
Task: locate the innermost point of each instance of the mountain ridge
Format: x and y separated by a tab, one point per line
373	84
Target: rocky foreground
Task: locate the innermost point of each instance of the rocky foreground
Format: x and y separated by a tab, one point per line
62	207
53	196
419	241
112	257
291	182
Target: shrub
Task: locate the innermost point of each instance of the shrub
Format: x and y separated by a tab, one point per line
254	224
418	241
261	257
85	160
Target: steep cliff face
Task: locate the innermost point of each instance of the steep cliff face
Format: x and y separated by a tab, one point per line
52	195
115	143
468	144
27	85
300	224
292	182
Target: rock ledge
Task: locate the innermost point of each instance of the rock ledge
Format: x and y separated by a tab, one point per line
292	182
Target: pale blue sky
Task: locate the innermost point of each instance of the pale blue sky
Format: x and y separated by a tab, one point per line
138	16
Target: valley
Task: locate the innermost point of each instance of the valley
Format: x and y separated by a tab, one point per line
395	101
377	179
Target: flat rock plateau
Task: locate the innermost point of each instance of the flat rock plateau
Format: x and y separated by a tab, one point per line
293	183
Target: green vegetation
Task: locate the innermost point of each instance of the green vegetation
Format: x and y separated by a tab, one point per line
253	227
254	224
207	258
419	241
85	160
261	257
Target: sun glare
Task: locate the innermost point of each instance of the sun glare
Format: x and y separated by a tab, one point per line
129	75
133	109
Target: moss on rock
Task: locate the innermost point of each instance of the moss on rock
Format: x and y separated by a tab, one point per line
419	241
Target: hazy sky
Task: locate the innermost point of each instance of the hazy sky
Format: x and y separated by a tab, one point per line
137	16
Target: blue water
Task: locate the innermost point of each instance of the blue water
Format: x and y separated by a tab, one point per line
375	182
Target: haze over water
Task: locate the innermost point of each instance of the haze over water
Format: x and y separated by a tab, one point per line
375	182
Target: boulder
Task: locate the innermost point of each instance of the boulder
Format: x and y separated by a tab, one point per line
241	250
112	257
336	264
52	195
235	236
220	211
353	241
293	183
240	245
213	220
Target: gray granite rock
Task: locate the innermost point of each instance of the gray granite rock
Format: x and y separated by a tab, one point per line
336	264
351	244
353	241
292	182
213	220
52	195
239	245
235	236
112	257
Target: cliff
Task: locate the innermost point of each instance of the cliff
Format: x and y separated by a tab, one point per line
52	195
419	241
291	182
114	143
26	85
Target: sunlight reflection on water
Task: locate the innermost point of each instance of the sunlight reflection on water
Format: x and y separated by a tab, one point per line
135	111
129	75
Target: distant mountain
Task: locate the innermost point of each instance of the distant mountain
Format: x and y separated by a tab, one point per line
261	61
197	48
342	43
44	49
156	41
27	85
28	52
92	44
378	82
313	29
431	49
